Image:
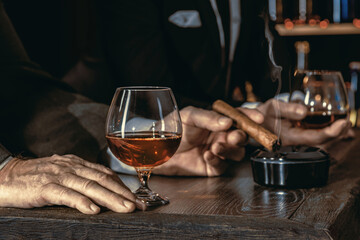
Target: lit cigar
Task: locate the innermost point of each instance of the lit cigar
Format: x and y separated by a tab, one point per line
263	136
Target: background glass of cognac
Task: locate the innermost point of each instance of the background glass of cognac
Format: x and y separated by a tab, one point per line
143	130
323	93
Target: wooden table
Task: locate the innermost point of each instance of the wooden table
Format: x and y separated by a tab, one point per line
228	207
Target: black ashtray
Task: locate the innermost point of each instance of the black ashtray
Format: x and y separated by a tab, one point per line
291	167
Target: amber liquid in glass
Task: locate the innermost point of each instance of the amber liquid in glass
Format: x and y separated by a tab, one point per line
143	149
315	120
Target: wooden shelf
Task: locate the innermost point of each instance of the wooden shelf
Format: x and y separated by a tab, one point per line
307	30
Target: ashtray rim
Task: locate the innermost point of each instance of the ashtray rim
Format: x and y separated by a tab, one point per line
284	161
293	173
314	155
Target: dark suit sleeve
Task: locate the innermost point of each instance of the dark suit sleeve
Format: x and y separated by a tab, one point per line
137	49
40	115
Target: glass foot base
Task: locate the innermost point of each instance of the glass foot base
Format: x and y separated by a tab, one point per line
150	198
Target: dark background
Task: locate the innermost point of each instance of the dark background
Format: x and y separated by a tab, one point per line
57	34
328	52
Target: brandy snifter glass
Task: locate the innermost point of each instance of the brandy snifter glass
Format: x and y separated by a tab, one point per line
143	130
324	95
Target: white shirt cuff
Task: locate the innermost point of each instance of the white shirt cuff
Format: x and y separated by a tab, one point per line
3	164
118	166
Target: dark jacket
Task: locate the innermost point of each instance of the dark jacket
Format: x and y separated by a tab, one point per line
142	47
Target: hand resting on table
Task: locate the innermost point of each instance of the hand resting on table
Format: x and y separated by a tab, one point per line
64	180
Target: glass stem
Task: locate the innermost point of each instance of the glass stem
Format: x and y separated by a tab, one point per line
144	193
144	176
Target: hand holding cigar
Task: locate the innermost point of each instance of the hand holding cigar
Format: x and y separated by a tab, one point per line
263	136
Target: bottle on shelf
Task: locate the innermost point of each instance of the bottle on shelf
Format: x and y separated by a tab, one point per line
354	94
276	11
314	12
355	78
356	12
302	53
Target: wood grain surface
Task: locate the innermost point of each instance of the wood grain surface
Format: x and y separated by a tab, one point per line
336	206
227	207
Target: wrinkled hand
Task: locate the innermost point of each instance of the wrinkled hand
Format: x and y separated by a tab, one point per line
206	143
291	135
63	180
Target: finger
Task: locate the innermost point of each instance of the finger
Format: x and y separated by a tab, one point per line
345	131
97	193
54	194
226	151
253	114
205	119
107	181
77	164
336	129
293	111
91	165
237	138
214	165
96	167
349	134
314	137
68	158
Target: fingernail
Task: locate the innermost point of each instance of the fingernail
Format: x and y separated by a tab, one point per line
140	204
300	111
223	120
128	204
94	208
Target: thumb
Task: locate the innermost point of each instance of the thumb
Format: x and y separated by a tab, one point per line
205	119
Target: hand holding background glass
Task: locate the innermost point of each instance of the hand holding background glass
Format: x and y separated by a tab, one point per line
143	130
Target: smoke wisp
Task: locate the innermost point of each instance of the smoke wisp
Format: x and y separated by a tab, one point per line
275	74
